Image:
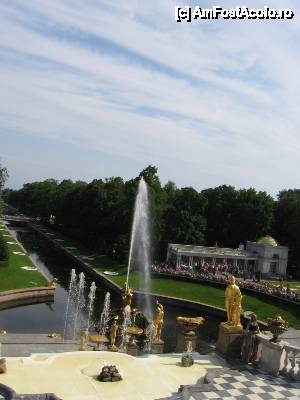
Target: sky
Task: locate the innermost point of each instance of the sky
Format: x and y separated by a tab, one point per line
99	88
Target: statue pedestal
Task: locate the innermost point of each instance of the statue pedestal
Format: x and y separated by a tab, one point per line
133	349
157	347
229	342
182	341
272	355
3	368
113	348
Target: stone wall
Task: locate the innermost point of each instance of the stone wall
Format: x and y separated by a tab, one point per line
20	297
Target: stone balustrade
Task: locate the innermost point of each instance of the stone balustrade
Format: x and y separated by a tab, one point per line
292	362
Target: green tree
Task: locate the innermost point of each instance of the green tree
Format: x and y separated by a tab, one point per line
183	219
287	224
252	216
218	213
235	216
3	176
4	253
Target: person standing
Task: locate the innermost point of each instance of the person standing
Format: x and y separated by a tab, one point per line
250	341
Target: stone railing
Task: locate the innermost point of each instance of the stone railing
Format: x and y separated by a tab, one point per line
292	362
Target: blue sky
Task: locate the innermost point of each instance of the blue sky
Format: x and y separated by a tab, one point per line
91	89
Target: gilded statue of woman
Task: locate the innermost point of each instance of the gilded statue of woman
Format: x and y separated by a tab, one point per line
158	320
233	300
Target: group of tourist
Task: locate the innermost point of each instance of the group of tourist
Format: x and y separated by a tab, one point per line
219	273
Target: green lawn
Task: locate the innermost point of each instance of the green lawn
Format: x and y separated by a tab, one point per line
12	276
199	292
207	294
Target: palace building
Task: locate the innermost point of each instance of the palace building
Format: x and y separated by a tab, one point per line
265	256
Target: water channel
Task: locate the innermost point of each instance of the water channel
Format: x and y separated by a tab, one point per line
46	318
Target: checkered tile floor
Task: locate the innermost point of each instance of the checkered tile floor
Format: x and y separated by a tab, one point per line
236	385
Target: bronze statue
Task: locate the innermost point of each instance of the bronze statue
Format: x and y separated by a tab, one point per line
126	296
113	333
233	299
158	320
84	338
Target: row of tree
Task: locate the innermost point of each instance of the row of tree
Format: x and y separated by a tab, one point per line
99	213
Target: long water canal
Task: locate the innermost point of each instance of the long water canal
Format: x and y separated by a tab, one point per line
46	318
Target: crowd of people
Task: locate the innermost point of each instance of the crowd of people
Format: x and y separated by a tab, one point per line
219	273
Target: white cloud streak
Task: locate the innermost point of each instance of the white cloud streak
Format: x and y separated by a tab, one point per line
209	103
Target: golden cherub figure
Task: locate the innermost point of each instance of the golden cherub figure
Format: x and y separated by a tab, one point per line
126	296
233	300
84	338
113	333
158	320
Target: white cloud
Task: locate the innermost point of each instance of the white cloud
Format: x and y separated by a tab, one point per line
220	98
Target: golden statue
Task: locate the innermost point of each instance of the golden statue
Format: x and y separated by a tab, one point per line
84	338
113	333
233	300
53	335
158	321
52	283
126	296
191	322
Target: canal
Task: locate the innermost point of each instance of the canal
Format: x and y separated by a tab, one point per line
50	317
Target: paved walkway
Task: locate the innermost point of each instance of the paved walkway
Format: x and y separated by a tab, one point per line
231	384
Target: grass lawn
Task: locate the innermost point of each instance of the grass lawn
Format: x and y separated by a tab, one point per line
12	276
200	292
207	294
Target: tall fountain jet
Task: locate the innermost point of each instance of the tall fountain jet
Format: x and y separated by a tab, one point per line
140	243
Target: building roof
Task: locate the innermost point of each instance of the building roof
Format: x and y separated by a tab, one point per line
267	241
210	251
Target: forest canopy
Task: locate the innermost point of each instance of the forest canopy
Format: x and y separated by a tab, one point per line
99	213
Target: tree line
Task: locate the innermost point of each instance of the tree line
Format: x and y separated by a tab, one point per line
4	253
99	213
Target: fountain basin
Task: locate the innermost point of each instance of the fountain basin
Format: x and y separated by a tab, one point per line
73	376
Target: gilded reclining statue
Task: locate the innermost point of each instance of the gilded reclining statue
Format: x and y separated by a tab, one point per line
196	321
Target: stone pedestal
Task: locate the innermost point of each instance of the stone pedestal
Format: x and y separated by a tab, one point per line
133	349
182	341
272	355
3	366
229	342
157	347
113	348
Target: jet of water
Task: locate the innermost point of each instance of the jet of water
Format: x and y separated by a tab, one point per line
189	349
140	243
79	304
70	292
126	323
91	296
105	316
150	333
